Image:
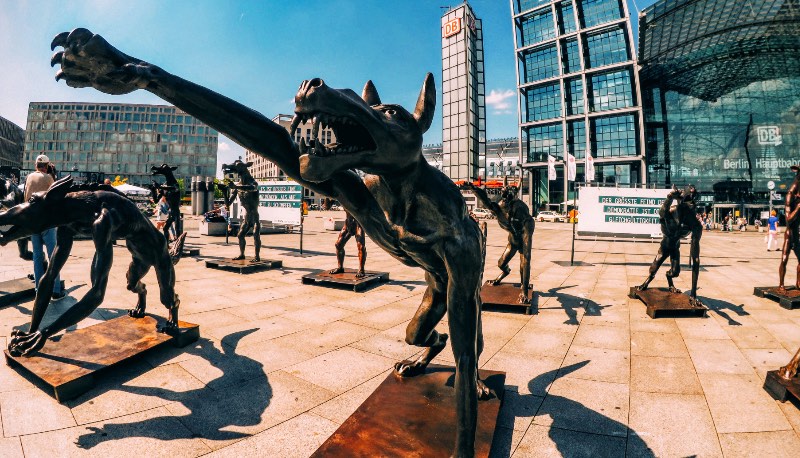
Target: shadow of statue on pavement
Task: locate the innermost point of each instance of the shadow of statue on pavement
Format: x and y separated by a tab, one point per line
214	411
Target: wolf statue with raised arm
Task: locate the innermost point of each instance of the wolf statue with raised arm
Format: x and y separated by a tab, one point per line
406	206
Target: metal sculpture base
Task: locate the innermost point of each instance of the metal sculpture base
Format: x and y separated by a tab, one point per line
243	266
15	290
505	297
413	416
789	299
70	365
661	302
780	388
346	279
189	251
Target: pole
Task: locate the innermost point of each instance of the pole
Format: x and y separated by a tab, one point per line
572	253
302	218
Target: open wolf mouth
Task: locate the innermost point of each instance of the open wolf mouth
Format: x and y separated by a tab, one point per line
351	136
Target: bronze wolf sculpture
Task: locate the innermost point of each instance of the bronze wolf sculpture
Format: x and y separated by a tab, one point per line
172	191
791	238
11	195
106	215
676	223
247	191
405	205
514	217
350	229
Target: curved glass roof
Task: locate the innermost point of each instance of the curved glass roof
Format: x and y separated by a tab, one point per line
708	48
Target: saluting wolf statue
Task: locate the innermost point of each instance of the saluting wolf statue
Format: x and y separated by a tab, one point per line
11	195
406	206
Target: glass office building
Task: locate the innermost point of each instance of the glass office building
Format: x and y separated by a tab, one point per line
463	92
110	139
578	93
12	138
721	88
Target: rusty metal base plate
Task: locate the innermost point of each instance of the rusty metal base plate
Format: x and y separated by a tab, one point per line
661	302
780	388
346	279
788	299
68	366
503	297
243	266
16	290
414	416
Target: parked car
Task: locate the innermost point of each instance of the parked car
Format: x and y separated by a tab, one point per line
550	216
482	213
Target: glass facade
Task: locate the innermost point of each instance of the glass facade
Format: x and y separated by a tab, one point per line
578	92
463	95
119	139
729	123
12	138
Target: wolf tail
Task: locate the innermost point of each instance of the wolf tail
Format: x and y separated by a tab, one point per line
176	249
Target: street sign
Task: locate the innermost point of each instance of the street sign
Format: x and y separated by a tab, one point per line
770	185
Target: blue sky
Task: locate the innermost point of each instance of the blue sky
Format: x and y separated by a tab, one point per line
258	52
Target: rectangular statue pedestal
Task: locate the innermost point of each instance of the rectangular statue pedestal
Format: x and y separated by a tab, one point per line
413	416
790	299
504	297
661	302
16	290
346	279
782	389
190	250
69	365
243	266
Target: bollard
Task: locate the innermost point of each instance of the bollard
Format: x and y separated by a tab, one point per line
209	194
201	195
193	195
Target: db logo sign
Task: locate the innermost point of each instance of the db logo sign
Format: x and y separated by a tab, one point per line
769	135
451	28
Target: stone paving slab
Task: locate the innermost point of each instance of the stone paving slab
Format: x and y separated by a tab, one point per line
280	365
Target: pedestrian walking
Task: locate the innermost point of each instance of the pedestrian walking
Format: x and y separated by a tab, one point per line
40	181
772	222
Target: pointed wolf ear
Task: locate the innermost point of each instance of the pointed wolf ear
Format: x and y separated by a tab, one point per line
59	189
249	164
426	104
173	168
370	94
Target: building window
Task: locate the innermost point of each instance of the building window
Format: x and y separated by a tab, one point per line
606	48
543	102
544	141
566	17
537	27
525	5
574	96
595	12
540	64
614	136
570	55
611	90
576	138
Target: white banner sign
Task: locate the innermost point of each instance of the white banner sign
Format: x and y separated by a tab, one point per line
551	168
280	202
589	168
572	167
620	211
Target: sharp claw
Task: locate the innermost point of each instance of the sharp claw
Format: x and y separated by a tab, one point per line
57	58
60	75
79	36
59	40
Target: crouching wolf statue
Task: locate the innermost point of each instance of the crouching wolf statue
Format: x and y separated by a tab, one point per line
106	215
678	221
406	206
11	195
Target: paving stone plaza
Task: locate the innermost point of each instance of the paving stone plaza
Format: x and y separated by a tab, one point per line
280	365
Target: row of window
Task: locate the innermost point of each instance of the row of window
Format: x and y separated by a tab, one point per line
111	116
539	26
609	91
612	136
91	147
85	126
602	48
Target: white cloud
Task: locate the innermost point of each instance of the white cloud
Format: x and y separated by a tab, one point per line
223	147
500	100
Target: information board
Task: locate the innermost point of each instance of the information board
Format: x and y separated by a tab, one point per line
620	211
280	202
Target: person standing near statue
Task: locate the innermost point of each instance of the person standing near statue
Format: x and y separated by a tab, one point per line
40	181
772	222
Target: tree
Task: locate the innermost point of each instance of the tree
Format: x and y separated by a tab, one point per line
119	181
